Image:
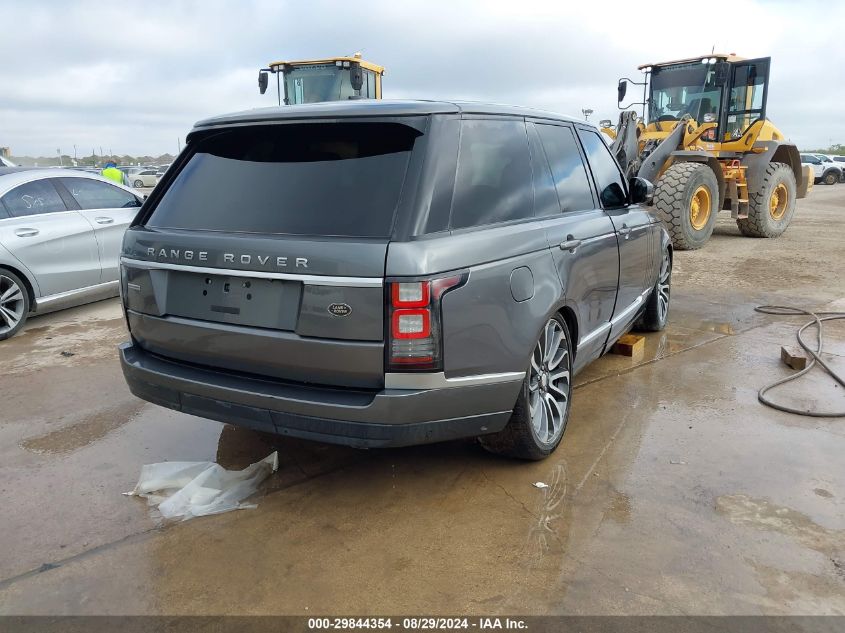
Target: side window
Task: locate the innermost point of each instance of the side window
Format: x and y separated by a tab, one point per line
369	88
606	172
493	182
93	194
545	195
33	198
571	180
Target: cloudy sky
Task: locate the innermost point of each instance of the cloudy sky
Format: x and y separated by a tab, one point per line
134	76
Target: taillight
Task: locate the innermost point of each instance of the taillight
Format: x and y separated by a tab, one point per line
414	332
411	323
413	294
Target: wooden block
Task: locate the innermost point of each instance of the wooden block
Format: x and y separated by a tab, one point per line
794	357
629	345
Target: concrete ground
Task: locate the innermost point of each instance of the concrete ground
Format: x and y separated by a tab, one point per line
674	491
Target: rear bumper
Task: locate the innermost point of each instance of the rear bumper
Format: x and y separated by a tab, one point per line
376	418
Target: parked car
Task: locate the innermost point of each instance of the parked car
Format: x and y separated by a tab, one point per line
160	170
837	160
144	178
464	263
60	237
824	170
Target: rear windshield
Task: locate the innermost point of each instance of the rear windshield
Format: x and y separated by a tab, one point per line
340	179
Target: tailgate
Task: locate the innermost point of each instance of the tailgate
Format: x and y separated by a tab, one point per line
234	303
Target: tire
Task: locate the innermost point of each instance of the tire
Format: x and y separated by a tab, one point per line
545	396
765	220
656	313
138	183
830	177
687	200
14	304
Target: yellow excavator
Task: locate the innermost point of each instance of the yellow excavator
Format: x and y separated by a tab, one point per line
330	79
704	140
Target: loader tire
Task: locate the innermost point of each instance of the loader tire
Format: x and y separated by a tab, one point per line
770	210
687	200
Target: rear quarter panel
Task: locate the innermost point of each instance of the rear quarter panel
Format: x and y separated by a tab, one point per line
485	329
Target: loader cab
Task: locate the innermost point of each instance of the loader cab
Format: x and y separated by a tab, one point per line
722	89
319	80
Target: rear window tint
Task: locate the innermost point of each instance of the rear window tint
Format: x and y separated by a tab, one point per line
339	179
494	182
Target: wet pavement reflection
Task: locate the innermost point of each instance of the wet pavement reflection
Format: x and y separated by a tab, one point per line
674	491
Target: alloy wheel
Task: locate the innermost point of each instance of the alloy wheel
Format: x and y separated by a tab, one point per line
549	383
12	304
663	284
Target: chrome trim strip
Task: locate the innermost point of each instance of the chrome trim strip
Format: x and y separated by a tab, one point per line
439	381
311	280
615	320
627	311
602	329
70	296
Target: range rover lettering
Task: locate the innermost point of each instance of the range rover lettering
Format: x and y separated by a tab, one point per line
388	273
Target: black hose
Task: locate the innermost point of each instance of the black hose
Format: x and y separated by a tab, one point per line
818	319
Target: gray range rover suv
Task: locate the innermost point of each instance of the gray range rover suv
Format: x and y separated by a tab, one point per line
382	273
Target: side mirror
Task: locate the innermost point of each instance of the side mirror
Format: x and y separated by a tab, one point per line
641	190
356	76
262	81
612	196
621	90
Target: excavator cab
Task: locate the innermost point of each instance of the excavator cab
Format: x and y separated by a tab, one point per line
704	140
316	80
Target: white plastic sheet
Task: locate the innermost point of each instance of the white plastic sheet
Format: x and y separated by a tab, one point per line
182	490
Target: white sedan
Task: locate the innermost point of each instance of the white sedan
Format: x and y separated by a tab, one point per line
61	232
145	178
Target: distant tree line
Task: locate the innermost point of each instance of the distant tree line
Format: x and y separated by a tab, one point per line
94	160
836	148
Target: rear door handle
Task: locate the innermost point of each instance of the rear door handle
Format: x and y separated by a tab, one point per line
625	230
26	232
570	245
104	220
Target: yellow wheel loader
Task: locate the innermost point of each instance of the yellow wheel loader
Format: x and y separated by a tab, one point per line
704	140
315	80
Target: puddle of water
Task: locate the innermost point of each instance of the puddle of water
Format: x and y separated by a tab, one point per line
763	515
84	432
63	344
